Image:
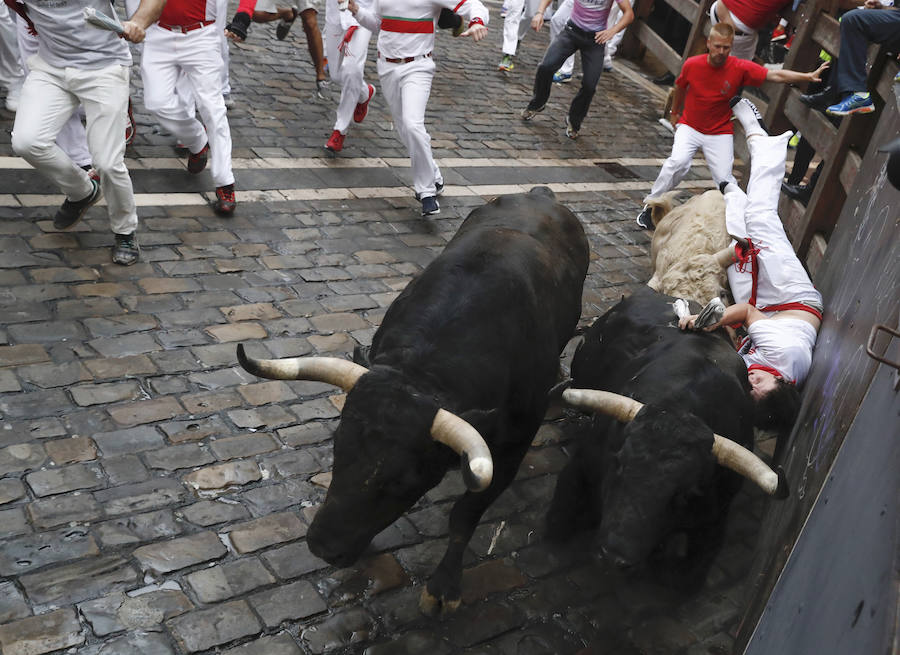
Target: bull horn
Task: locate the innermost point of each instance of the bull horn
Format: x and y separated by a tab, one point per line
728	453
477	465
331	370
725	257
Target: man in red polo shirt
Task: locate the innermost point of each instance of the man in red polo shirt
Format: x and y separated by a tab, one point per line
701	111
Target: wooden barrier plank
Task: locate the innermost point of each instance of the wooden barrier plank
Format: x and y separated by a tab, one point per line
827	34
655	44
687	8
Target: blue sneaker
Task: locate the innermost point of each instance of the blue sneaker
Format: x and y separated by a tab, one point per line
430	206
562	78
856	103
897	78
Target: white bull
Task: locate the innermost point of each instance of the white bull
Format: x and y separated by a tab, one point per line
690	248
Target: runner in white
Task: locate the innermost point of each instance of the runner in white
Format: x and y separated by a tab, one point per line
405	66
346	46
775	299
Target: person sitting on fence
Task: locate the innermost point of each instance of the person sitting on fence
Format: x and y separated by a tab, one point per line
872	23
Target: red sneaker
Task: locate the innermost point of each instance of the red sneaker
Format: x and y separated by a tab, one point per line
363	107
335	142
197	160
130	126
225	203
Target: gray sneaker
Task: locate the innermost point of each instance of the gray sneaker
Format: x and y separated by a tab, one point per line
527	114
571	132
72	212
644	219
126	251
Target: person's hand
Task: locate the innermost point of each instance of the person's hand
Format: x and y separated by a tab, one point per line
674	118
537	22
872	4
687	322
816	75
477	31
236	30
132	32
603	36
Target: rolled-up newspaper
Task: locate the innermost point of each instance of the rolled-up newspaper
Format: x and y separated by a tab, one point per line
101	20
343	5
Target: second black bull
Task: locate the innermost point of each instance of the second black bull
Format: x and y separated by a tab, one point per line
462	361
661	464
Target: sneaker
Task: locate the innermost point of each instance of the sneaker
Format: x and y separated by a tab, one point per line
821	99
362	108
855	103
224	203
285	26
72	212
571	132
778	34
562	78
506	64
228	100
197	160
748	115
430	206
527	114
897	78
644	219
323	91
130	127
607	66
126	251
335	142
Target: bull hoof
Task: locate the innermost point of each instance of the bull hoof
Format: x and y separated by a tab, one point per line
431	605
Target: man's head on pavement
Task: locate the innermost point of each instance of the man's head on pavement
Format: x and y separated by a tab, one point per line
719	42
776	401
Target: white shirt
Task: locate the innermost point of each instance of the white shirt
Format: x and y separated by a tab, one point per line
784	344
398	44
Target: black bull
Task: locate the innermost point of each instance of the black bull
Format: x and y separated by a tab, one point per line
477	333
652	487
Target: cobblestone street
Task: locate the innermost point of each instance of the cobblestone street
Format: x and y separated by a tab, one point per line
154	497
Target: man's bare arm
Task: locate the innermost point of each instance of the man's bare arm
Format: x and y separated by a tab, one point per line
147	13
796	77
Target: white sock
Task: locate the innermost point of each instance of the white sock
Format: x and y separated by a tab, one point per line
749	116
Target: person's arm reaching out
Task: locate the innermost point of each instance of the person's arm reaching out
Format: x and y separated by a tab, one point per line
738	314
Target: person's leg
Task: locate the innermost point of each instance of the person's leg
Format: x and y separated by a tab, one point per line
221	21
160	73
12	74
559	49
201	61
515	10
46	104
354	89
615	14
859	28
314	41
591	68
718	149
415	89
557	25
686	142
104	94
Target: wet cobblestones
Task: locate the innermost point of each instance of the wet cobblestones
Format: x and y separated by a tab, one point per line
154	497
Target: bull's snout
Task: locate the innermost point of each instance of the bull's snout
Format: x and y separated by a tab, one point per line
333	548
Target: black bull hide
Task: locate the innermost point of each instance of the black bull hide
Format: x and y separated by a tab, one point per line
652	487
478	333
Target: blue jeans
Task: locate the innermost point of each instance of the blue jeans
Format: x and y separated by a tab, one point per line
859	28
570	40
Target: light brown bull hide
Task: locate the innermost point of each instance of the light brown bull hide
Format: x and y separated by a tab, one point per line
684	243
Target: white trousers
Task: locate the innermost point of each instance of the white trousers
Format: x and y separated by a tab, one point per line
347	70
744	46
221	22
49	98
612	46
558	24
406	88
198	56
11	63
517	22
781	277
718	149
72	138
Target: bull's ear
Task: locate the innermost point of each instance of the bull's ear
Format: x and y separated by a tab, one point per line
483	420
